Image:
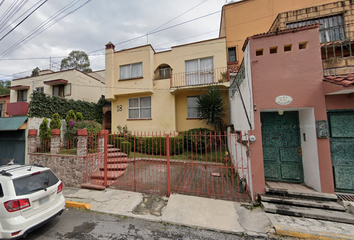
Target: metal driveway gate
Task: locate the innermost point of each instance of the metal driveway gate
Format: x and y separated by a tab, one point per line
193	163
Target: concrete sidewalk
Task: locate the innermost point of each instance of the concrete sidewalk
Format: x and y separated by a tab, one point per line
207	213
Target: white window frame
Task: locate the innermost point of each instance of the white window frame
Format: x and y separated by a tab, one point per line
189	107
139	108
130	71
200	75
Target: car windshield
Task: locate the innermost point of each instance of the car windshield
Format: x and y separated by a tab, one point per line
33	183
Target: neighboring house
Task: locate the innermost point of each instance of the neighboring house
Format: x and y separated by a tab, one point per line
153	91
4	99
248	17
68	84
298	88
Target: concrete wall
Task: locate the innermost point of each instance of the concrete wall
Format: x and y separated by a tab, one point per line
83	86
238	112
342	101
283	73
246	18
309	148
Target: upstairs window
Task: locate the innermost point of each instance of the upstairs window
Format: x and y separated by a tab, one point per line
232	54
331	29
62	90
139	108
22	95
199	71
129	71
192	107
164	72
40	89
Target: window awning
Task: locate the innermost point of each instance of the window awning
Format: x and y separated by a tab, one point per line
56	82
19	87
12	123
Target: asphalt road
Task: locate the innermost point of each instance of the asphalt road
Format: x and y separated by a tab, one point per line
86	225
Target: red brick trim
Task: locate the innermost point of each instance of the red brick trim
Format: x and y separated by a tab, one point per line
32	132
55	132
82	132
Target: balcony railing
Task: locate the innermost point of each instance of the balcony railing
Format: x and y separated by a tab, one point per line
197	78
17	109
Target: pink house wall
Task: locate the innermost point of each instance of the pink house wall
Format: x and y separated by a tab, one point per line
342	101
5	99
297	73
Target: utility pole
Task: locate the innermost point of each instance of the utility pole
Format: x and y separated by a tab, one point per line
50	63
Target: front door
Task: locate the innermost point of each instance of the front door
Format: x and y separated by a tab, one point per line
342	149
282	147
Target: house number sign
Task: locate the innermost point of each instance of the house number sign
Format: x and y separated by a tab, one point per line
283	100
119	108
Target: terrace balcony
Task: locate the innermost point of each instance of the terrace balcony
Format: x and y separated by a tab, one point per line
216	76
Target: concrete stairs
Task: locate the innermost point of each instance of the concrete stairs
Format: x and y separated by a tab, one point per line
117	162
306	204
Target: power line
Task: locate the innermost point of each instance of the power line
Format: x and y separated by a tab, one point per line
23	20
44	26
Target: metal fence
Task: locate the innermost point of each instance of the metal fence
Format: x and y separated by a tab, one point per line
194	163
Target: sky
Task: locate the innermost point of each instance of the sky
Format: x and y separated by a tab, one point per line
52	31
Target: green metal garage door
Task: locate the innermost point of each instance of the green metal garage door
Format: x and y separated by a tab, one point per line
282	147
13	146
342	149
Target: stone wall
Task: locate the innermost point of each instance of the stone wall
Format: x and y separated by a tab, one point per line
72	170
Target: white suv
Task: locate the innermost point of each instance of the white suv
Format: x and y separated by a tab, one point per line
30	195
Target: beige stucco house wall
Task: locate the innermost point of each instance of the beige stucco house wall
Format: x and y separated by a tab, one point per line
78	85
168	92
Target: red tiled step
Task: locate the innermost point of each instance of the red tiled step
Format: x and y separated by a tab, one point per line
110	145
112	175
93	186
118	160
110	150
121	166
116	154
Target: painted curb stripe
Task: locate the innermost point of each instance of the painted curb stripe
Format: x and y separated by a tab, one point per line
70	204
320	236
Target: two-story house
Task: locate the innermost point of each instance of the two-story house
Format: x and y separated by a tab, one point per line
157	91
297	83
68	84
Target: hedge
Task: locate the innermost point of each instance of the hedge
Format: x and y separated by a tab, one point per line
42	105
197	139
157	145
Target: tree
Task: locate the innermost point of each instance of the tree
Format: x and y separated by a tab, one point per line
76	60
79	116
45	135
4	87
35	72
70	117
211	108
55	123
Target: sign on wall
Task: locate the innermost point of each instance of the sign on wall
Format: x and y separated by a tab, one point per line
283	100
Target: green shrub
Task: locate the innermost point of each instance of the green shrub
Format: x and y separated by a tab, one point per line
55	123
125	147
45	135
79	116
198	139
91	126
157	145
70	117
42	105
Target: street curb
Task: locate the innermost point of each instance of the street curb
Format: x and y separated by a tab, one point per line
70	204
305	235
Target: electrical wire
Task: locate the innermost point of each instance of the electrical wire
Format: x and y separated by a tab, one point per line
23	20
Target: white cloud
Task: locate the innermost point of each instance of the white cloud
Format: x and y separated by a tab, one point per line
101	21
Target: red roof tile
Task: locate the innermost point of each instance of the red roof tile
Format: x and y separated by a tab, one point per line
343	80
